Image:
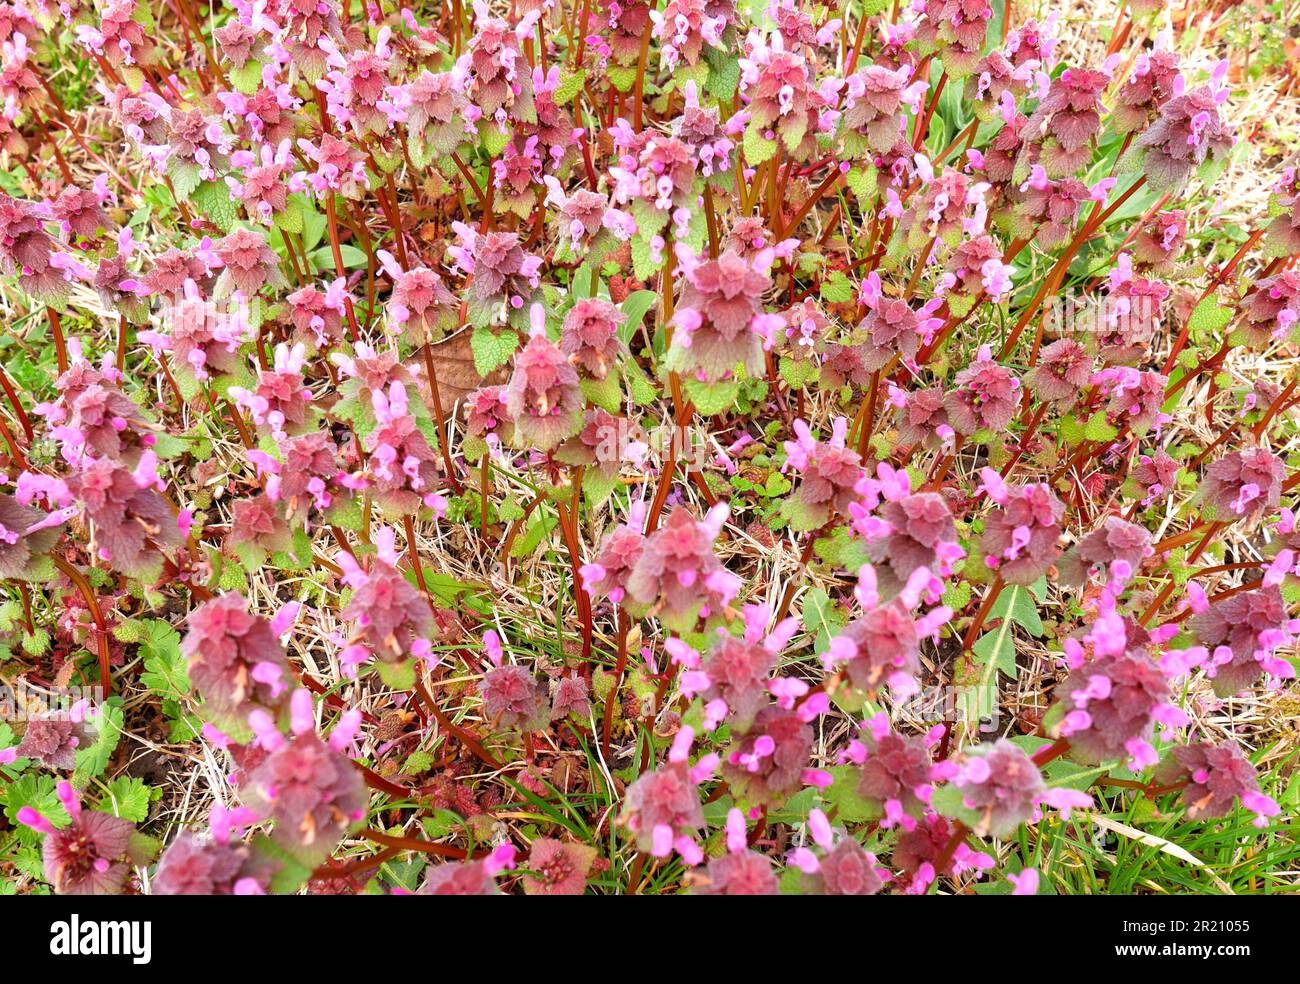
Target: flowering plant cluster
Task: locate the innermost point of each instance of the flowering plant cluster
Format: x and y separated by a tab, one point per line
341	337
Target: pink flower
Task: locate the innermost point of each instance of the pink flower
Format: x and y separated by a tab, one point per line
1000	783
133	525
983	397
543	397
1243	484
194	867
830	474
662	809
92	855
1021	534
1216	776
250	263
390	615
1115	540
235	660
311	792
513	696
460	878
1024	883
767	764
677	572
1242	633
590	336
560	868
1187	132
1113	701
25	534
719	322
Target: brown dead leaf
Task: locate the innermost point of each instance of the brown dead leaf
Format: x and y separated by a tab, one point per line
453	362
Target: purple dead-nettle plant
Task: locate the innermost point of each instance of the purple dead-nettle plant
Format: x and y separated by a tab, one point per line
1188	135
983	395
420	306
829	474
892	328
392	619
1217	777
662	809
1243	484
607	576
1022	533
739	871
93	854
677	576
317	315
402	470
896	771
1003	787
735	680
1272	309
1114	540
1118	690
544	396
504	276
590	337
512	694
1131	311
1244	632
236	661
842	867
882	647
305	785
719	323
1134	398
280	402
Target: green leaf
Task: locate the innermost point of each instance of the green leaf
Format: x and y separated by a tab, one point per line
570	86
1098	428
643	264
597	486
639	386
247	78
94	760
821	619
185	178
212	199
842	795
798	373
539	527
837	288
492	350
862	181
1016	604
634	308
757	147
996	650
129	798
1209	318
322	260
724	78
290	220
494	141
604	393
711	398
622	77
397	676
